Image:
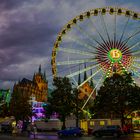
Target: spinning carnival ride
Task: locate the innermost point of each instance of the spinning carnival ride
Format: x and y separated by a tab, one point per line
106	40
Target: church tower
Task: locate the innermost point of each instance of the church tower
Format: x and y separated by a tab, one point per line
37	87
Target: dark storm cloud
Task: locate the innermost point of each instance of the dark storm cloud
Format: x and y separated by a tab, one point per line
25	40
25	34
28	30
10	4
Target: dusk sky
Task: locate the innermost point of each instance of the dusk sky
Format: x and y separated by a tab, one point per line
28	30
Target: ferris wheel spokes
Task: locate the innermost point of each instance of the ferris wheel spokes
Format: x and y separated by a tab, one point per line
115	28
76	51
124	29
80	42
135	52
71	62
89	77
136	59
88	35
131	36
132	46
83	70
92	92
101	36
105	27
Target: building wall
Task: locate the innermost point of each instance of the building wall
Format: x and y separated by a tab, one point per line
86	90
37	87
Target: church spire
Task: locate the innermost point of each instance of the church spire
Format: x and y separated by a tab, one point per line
44	76
34	77
79	77
39	70
85	74
91	81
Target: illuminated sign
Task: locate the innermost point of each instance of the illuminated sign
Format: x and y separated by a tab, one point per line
115	55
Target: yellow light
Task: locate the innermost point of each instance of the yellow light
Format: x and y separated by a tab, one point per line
102	123
13	123
92	123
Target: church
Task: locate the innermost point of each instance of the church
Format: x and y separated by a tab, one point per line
37	87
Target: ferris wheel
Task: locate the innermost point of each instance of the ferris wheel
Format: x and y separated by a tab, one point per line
106	40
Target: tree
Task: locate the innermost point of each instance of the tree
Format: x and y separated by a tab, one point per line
61	100
117	97
20	107
77	111
4	110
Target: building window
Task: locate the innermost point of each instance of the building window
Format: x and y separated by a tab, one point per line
102	122
91	123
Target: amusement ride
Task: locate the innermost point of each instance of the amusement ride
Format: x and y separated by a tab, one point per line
106	39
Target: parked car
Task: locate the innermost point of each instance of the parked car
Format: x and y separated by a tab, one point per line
71	131
110	130
6	128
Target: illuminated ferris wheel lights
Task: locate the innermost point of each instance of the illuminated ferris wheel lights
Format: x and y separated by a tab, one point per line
124	68
106	49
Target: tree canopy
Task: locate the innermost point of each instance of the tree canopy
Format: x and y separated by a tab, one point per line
61	100
117	97
20	107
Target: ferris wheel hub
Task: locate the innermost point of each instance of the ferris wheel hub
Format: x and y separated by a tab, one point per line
115	55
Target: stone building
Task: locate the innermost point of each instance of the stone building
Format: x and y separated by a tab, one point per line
87	88
37	87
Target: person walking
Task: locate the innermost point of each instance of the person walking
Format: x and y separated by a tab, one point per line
29	130
34	130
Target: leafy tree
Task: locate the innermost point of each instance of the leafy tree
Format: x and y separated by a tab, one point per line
20	107
79	111
4	110
61	100
78	103
117	97
48	110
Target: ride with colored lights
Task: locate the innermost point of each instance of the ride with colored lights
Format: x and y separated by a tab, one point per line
5	96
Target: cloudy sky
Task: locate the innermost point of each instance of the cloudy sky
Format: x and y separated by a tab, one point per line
28	30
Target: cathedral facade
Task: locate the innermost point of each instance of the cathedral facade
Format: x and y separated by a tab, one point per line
37	87
87	88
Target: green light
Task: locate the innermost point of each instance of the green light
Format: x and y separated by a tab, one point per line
115	55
